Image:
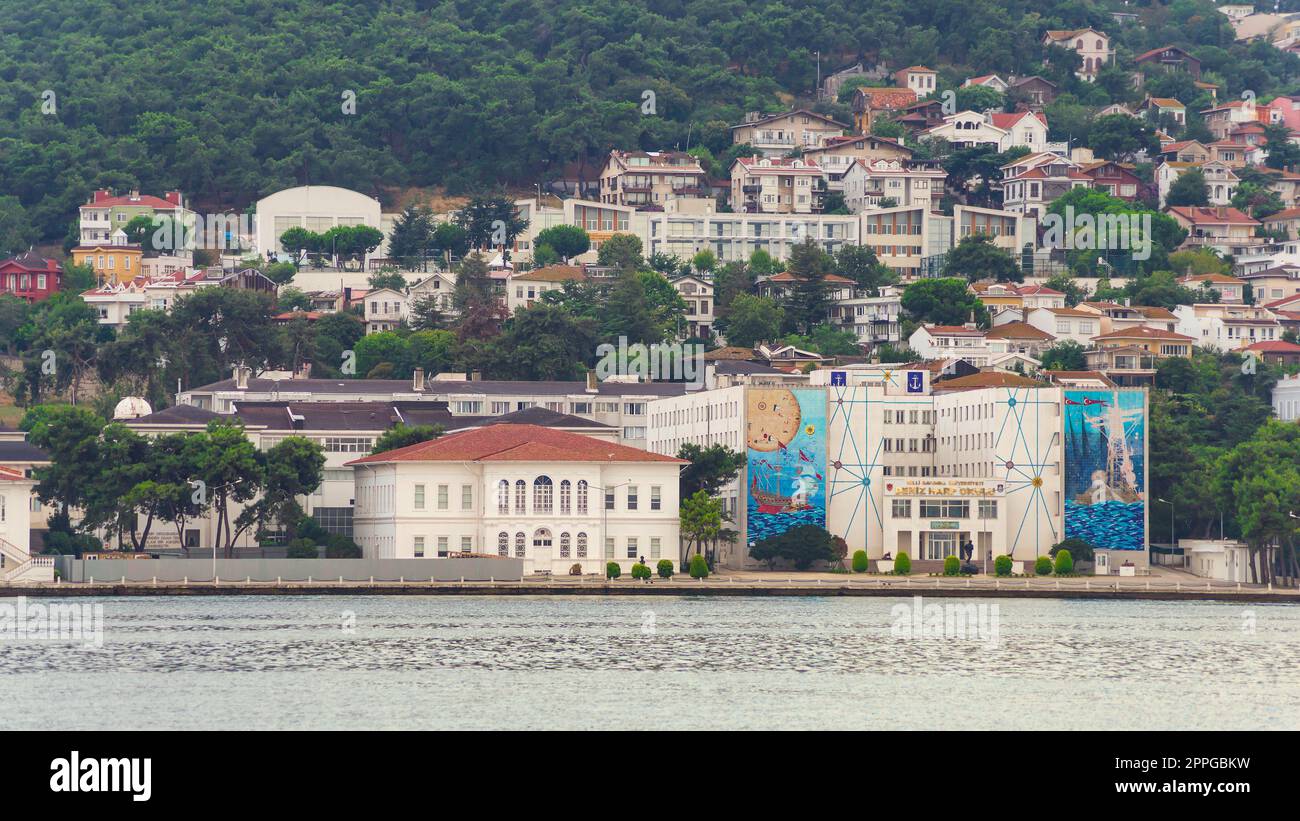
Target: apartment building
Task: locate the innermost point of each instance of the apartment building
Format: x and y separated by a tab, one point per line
1031	183
697	293
107	213
1227	327
839	153
762	185
646	179
1092	46
776	135
385	309
872	184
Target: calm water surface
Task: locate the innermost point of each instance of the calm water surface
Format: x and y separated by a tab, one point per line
723	663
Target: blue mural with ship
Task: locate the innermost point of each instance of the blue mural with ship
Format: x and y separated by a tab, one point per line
786	449
1105	468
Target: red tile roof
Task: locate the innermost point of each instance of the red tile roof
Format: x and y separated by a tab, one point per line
1218	215
1143	332
1018	330
516	443
1274	346
1008	121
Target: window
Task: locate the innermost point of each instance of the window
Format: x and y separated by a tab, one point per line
418	548
565	497
542	494
582	497
631	547
609	547
902	508
988	508
519	545
503	497
656	502
442	547
503	544
564	545
582	545
466	544
654	548
609	498
521	497
945	509
466	497
632	497
442	497
499	408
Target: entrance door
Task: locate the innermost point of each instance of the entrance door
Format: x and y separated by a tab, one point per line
542	551
1101	565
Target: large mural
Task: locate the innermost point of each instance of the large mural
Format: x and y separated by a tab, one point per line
786	444
1105	468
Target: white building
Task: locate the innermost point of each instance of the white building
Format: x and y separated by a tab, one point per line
777	185
1226	327
1286	398
386	310
967	129
527	287
868	183
16	561
697	293
551	498
317	208
964	342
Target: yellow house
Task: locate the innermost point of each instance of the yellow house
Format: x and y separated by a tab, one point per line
113	263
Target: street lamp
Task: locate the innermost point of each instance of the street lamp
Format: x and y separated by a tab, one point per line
1173	541
604	511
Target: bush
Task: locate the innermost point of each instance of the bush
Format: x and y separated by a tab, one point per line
640	571
301	549
699	567
903	564
802	546
1043	566
1080	550
1002	565
860	564
576	570
951	566
1064	562
612	570
665	568
338	546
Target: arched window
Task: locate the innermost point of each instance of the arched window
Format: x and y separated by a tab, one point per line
503	544
521	497
564	545
582	543
582	497
566	497
503	497
542	491
542	538
519	545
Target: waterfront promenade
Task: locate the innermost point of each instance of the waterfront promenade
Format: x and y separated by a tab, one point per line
1161	584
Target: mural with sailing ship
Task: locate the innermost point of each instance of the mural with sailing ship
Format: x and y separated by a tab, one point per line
786	442
1105	468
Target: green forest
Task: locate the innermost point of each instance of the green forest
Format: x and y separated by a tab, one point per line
231	101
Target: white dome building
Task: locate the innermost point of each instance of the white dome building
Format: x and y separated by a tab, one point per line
132	407
317	208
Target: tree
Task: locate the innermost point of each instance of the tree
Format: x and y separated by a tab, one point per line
1188	189
16	230
412	236
1065	355
491	222
808	300
944	302
393	280
289	469
1280	152
976	257
753	319
860	264
545	342
704	261
1120	137
425	313
232	472
481	314
802	546
402	435
710	468
568	241
701	519
621	251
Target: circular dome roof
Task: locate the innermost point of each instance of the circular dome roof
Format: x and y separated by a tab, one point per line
132	407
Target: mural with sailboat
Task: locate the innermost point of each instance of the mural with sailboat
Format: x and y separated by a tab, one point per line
786	443
1105	468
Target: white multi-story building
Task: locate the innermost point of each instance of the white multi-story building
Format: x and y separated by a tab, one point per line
697	293
772	185
968	129
1286	398
1227	327
552	498
869	183
644	179
316	208
386	310
1092	46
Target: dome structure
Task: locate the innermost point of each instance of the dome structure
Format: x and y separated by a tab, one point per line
131	407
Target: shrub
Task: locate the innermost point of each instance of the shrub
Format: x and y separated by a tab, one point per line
301	549
951	566
1079	549
1002	565
338	546
576	570
665	568
612	570
860	561
903	564
1064	562
640	571
1043	566
699	567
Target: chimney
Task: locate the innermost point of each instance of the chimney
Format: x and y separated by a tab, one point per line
101	195
304	371
476	376
592	385
175	198
241	377
418	380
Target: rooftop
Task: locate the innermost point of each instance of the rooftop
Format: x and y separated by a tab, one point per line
516	443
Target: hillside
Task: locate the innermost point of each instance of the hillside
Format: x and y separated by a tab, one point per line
231	101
